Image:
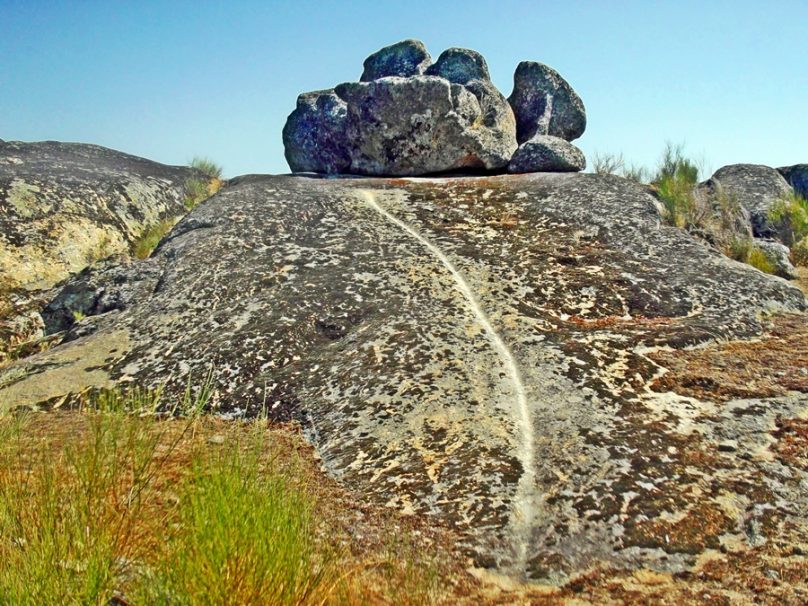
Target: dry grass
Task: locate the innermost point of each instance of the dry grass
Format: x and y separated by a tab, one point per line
771	366
159	511
95	505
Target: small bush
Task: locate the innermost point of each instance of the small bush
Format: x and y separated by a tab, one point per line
207	167
675	181
675	165
151	237
196	191
790	217
614	164
758	259
799	253
243	536
738	249
636	173
607	163
199	189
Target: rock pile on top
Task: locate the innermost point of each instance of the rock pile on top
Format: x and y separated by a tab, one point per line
409	116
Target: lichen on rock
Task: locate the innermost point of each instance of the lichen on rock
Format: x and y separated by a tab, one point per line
406	117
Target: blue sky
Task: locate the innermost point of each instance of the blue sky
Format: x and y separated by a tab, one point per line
170	80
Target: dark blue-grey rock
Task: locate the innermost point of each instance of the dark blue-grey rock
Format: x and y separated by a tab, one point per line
425	124
544	153
460	65
797	176
756	188
405	58
315	134
778	255
545	104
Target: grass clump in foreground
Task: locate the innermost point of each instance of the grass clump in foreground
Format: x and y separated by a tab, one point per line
118	501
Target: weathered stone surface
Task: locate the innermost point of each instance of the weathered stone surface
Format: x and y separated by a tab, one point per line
778	255
797	177
477	349
66	205
424	124
545	104
405	58
112	285
460	65
756	188
315	134
544	153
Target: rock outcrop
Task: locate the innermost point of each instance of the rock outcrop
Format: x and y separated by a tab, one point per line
756	188
66	205
460	66
777	255
544	153
408	117
405	58
797	176
429	125
545	104
477	349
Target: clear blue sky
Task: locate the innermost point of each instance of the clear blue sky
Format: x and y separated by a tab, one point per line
170	80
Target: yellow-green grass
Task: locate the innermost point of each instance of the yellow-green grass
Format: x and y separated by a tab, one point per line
119	501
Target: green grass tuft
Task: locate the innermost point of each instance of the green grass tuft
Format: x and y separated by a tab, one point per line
790	216
244	535
150	238
119	500
758	259
207	167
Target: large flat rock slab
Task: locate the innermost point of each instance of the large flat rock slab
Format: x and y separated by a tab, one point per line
476	349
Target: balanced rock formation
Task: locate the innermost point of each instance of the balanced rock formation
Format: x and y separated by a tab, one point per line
460	66
477	349
429	125
545	104
409	117
405	58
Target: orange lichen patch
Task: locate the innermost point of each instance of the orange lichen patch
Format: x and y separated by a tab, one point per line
620	321
771	366
698	530
768	575
792	442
